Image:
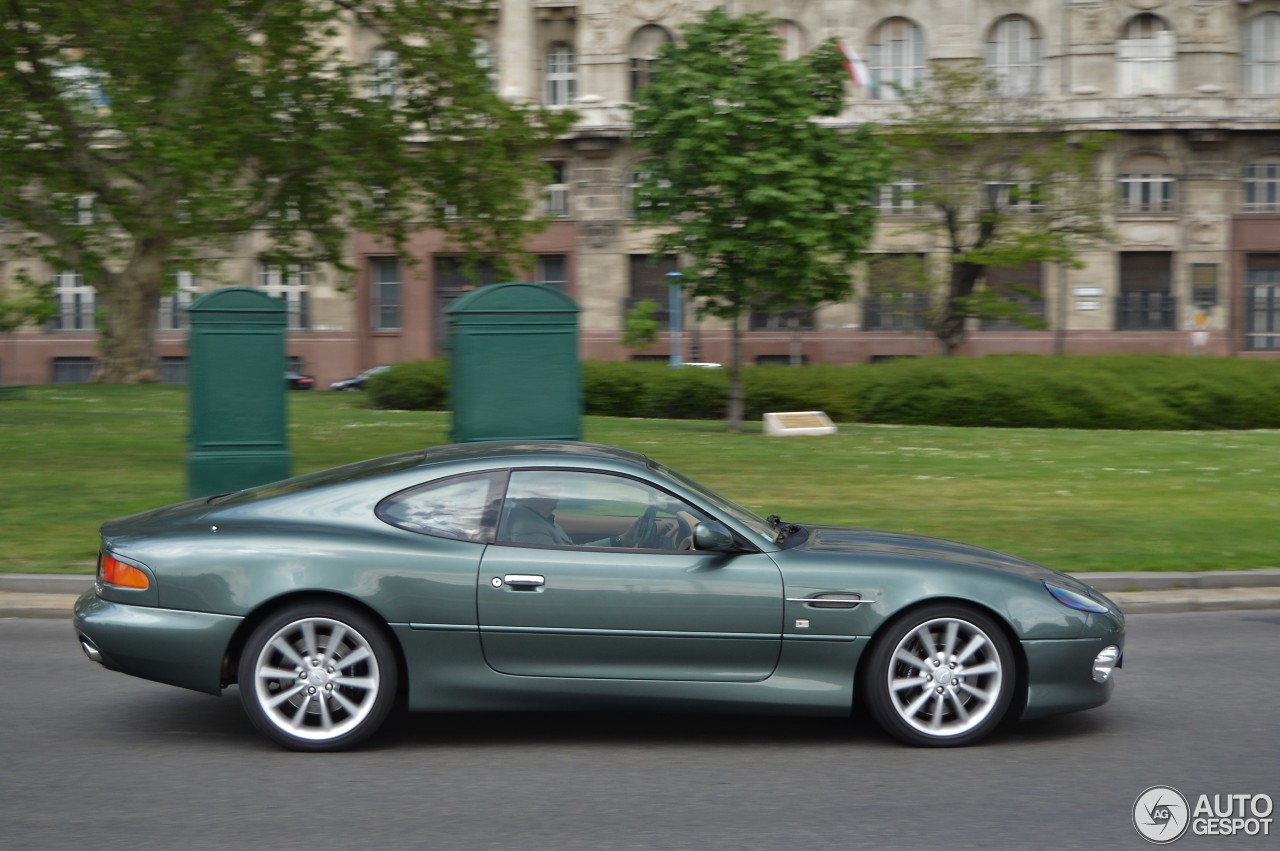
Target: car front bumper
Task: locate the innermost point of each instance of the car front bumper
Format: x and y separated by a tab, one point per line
1060	675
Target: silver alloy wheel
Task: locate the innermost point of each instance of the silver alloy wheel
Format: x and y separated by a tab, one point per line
945	677
316	679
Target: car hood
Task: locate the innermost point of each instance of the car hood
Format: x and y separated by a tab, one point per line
833	539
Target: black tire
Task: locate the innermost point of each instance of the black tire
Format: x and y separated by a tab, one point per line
942	675
318	676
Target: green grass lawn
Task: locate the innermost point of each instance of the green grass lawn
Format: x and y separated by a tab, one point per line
73	456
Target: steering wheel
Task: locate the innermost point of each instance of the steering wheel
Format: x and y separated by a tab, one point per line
678	536
645	529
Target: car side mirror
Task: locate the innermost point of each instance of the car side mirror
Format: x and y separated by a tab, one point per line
712	536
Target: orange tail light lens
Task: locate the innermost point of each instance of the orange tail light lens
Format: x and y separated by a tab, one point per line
115	572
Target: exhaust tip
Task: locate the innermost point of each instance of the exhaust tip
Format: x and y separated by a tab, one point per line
90	650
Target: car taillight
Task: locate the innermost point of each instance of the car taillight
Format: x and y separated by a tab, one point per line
115	572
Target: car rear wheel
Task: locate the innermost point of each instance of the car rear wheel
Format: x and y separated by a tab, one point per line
942	676
318	677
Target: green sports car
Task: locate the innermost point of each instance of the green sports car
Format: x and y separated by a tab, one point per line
559	575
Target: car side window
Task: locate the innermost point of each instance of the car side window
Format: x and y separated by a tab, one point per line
464	508
568	508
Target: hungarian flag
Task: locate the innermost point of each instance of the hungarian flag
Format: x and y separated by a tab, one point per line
858	70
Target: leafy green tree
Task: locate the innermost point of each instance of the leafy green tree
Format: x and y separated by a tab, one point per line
767	205
136	135
1004	185
641	330
25	302
32	304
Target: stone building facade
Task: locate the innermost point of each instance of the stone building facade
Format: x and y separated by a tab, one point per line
1190	89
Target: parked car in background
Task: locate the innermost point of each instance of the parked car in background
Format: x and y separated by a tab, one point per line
443	577
358	382
294	380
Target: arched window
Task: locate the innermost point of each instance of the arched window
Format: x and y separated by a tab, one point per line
1147	56
794	42
897	58
561	76
1015	57
645	44
1145	186
1260	62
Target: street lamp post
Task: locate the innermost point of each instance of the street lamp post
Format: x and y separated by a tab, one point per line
675	309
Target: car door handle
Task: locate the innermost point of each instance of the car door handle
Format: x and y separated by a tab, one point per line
524	580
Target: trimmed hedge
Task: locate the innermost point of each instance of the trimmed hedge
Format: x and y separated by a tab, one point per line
419	385
1008	391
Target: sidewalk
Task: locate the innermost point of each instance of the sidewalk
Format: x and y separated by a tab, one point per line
28	595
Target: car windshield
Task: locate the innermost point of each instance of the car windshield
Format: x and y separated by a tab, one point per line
757	524
346	473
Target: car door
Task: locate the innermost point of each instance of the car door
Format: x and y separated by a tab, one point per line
580	603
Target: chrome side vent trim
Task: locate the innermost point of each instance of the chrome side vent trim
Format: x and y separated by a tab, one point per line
832	601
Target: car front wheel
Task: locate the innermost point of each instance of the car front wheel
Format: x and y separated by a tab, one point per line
942	676
318	677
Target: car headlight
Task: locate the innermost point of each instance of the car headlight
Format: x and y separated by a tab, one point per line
1075	600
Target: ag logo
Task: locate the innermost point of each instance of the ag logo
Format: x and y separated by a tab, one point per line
1161	814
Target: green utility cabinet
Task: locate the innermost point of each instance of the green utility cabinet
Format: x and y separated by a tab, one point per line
238	437
514	371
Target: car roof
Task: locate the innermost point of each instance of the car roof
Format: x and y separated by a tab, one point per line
565	450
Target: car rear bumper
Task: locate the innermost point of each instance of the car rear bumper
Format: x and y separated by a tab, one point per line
175	647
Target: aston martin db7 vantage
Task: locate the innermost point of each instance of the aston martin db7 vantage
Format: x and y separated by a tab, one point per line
562	575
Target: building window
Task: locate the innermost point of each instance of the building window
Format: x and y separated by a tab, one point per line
173	307
1021	288
1147	56
173	369
1146	301
292	285
384	293
1015	57
486	60
562	76
553	271
1260	63
794	43
84	210
643	52
1204	283
1011	197
898	59
802	318
1262	303
384	75
80	83
650	281
73	370
75	303
897	198
897	293
1262	188
455	277
1145	186
557	192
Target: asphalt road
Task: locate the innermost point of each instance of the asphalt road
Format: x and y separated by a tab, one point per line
93	759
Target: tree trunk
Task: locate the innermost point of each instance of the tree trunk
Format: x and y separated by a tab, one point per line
734	417
950	325
131	302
